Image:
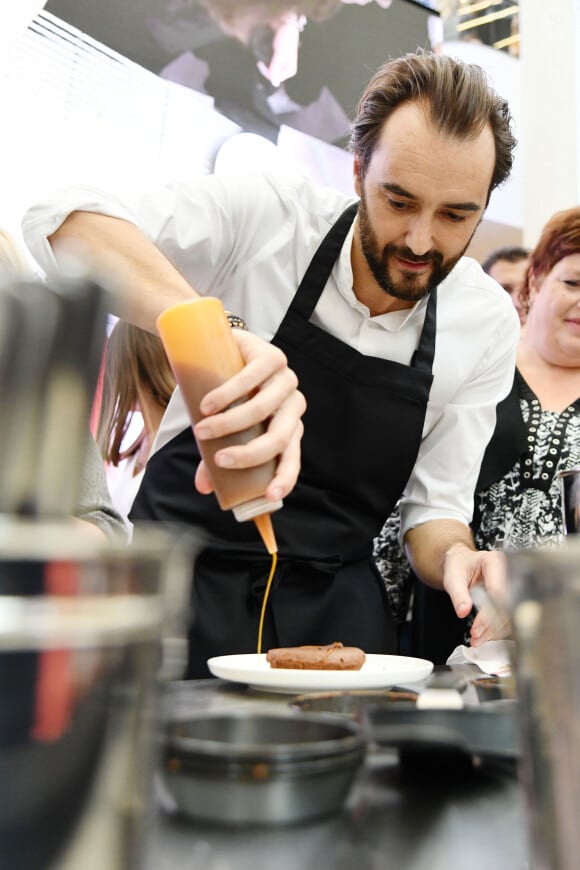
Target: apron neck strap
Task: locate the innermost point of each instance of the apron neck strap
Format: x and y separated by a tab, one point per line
321	265
423	357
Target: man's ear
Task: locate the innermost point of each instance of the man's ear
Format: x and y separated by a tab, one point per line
357	175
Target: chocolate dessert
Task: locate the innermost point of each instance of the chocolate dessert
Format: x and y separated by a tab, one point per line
333	657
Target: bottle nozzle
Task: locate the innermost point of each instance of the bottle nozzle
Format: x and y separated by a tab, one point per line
266	530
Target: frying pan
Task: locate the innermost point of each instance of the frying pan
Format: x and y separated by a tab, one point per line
483	730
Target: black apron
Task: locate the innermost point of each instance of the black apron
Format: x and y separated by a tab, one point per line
362	431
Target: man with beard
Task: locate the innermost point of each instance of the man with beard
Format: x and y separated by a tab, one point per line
401	345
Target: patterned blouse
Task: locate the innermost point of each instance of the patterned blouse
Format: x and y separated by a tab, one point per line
522	509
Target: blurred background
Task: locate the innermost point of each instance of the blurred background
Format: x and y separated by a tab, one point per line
123	91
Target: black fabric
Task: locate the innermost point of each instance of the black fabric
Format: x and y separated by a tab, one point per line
436	630
363	428
508	441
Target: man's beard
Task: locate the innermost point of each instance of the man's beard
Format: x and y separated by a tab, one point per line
410	287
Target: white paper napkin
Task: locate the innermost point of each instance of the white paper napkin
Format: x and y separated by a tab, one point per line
492	658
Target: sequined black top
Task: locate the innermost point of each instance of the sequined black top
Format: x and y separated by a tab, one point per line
524	508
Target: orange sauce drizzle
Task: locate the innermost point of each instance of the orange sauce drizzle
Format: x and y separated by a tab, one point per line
264	525
265	599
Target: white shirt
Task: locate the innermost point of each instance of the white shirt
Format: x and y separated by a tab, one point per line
249	240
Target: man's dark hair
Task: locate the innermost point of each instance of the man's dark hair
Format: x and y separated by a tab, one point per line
510	255
457	96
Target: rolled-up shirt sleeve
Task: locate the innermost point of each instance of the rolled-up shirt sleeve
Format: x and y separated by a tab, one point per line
50	212
195	224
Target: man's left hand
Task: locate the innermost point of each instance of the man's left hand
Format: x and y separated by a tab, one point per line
467	572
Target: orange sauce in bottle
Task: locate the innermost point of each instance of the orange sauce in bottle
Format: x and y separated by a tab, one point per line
203	354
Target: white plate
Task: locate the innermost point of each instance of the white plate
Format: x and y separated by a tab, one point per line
378	672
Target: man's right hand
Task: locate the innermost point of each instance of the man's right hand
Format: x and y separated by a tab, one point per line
274	400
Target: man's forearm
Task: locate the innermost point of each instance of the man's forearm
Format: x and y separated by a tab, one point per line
428	545
148	283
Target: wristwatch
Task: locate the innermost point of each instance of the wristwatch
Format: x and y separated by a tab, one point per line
235	321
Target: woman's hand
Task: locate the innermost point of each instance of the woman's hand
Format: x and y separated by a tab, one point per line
274	400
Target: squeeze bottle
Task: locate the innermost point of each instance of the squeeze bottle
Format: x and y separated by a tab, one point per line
203	354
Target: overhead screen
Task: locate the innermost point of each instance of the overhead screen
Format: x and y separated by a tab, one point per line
337	52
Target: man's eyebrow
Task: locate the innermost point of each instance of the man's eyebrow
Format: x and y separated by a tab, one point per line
456	206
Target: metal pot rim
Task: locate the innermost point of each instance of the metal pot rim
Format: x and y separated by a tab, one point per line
352	738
